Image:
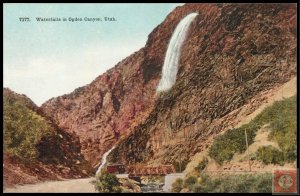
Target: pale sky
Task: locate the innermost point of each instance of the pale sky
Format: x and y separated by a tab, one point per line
49	59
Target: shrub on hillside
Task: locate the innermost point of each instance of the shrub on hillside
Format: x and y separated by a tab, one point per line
231	142
107	183
269	154
189	182
177	185
202	164
251	183
282	117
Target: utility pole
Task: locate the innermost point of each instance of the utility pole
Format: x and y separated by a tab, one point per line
247	149
134	156
180	162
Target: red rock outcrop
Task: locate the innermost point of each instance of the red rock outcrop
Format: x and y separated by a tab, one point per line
101	112
233	52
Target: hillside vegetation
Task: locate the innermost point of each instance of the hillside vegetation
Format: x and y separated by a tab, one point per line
243	183
281	118
34	147
23	128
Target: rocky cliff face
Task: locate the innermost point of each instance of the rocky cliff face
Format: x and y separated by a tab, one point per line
103	111
233	53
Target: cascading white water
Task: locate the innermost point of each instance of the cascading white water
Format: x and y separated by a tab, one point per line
103	161
170	66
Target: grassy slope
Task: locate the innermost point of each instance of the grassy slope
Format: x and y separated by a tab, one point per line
281	117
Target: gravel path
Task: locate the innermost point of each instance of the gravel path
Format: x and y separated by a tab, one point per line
83	185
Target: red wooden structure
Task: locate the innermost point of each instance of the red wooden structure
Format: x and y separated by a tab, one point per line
116	168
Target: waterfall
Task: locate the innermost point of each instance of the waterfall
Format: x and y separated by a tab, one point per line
170	67
103	161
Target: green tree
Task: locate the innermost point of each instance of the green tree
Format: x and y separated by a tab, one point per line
107	183
23	128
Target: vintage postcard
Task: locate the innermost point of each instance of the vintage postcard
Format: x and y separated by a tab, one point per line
135	98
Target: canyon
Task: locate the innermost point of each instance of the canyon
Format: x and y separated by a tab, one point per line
232	57
233	54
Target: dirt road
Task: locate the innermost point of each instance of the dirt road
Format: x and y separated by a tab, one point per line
68	186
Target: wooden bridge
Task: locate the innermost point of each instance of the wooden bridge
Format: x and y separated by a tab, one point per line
160	170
